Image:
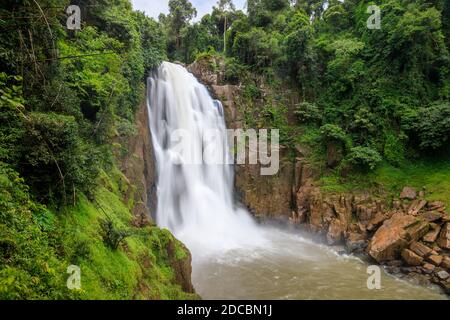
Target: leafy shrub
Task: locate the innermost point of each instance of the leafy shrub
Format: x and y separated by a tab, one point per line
433	126
251	92
394	151
334	133
234	71
364	158
112	236
56	159
30	267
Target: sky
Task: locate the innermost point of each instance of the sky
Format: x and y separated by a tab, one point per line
154	7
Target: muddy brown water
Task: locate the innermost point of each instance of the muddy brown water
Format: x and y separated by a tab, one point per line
290	266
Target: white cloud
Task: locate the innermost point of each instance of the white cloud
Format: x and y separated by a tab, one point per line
154	7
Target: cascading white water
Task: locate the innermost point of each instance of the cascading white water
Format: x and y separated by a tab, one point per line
195	201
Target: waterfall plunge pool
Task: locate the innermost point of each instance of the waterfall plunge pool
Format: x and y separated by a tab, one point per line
289	266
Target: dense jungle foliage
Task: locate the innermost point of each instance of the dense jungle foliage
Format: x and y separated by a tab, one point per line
64	95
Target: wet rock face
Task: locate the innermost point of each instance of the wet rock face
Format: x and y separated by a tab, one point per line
139	167
181	266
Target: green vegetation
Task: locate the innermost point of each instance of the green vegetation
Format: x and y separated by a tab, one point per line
64	96
432	176
37	245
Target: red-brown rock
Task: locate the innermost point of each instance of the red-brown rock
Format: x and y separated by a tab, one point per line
444	237
432	235
355	242
436	205
431	216
411	258
391	238
376	221
420	249
335	231
416	206
408	193
445	262
435	259
428	267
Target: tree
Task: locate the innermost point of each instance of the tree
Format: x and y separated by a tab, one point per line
223	10
180	13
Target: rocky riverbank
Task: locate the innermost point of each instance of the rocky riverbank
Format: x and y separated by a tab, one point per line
409	236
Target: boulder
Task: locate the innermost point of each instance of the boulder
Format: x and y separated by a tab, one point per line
432	235
443	275
431	216
335	232
428	268
436	205
418	229
376	221
408	193
445	263
411	258
416	206
435	259
395	235
444	237
355	242
420	249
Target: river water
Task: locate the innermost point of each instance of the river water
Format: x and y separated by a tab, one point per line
292	267
233	257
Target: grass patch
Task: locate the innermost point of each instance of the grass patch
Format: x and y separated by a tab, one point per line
431	175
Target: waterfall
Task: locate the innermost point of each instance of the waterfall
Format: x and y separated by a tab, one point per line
195	199
234	258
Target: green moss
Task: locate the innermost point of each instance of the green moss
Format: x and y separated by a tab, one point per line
141	262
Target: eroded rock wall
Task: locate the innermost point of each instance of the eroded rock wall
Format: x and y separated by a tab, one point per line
136	160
